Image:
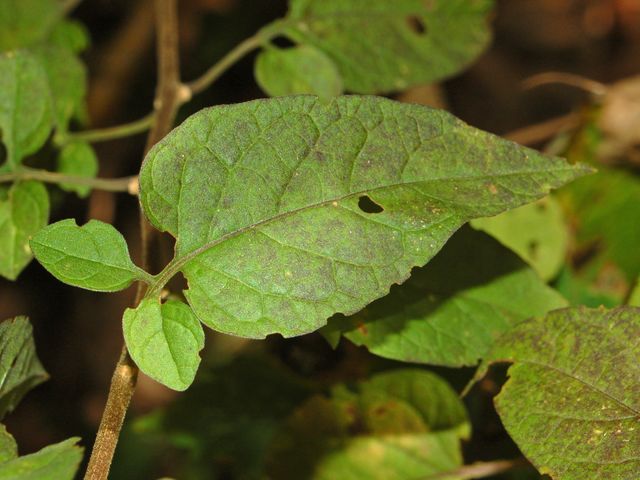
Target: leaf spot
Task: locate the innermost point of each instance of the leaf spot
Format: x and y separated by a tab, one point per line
416	24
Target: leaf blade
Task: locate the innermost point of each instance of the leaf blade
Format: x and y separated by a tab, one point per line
94	256
299	247
54	462
414	32
164	341
20	368
580	373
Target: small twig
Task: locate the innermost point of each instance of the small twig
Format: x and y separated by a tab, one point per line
126	184
542	131
109	133
169	96
592	86
479	470
210	76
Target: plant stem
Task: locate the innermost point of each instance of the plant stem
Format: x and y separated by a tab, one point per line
169	96
126	184
109	133
478	470
201	84
542	131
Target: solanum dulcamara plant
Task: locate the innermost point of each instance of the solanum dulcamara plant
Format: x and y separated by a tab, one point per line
321	207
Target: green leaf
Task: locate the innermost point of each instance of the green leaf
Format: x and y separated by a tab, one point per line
55	462
301	69
94	256
72	35
22	213
537	232
78	159
398	425
634	298
164	341
26	112
572	402
222	425
67	78
381	46
289	210
605	210
451	311
26	22
20	369
8	446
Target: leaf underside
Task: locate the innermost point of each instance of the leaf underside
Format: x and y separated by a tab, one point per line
572	403
289	210
20	369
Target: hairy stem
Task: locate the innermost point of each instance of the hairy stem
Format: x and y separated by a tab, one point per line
210	76
168	99
109	133
126	184
479	470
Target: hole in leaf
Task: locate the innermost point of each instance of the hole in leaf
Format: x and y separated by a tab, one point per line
416	24
283	42
369	206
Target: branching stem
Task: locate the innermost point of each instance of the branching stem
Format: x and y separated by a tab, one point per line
167	102
126	184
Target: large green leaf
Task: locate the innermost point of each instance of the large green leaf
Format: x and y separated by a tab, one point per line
572	403
451	311
55	462
289	210
22	214
94	256
381	46
399	425
537	232
302	69
26	22
26	111
164	341
20	369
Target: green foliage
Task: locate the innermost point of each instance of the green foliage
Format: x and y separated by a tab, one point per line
23	212
634	299
381	46
223	425
346	198
94	256
537	232
20	369
26	111
398	425
24	23
302	69
164	341
451	311
573	397
78	159
605	208
55	462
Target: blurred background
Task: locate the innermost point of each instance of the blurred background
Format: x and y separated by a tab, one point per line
245	388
